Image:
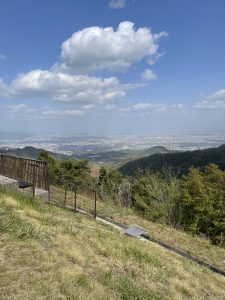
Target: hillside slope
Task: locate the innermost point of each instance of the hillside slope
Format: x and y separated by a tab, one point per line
120	156
47	252
179	162
30	152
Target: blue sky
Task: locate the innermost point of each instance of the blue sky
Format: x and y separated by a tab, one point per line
108	66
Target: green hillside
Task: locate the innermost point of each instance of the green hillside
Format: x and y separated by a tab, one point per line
29	152
179	162
120	156
109	157
47	252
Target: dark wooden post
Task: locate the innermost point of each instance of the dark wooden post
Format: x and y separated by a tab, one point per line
21	168
34	177
95	204
65	194
47	181
75	197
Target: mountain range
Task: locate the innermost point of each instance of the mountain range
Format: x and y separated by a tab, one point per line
179	162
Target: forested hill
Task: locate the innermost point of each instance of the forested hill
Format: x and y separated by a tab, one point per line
29	152
111	157
120	156
179	162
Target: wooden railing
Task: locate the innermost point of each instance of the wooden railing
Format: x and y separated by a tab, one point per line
25	169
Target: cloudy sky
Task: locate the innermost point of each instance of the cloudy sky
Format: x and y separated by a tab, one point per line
109	66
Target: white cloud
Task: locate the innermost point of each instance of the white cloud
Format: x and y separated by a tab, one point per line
214	101
62	113
90	49
20	108
68	88
148	107
96	48
25	112
143	106
19	112
148	74
115	4
152	60
179	106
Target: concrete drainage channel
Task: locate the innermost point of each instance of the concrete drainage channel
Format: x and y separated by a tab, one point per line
141	234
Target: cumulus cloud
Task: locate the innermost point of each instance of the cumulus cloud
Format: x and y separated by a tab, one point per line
148	74
90	49
214	101
96	48
116	4
68	88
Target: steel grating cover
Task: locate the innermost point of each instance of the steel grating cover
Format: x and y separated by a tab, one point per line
136	231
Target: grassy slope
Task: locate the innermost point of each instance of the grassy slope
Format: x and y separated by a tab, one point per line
50	253
197	246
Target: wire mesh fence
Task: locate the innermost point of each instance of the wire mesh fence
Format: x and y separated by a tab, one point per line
74	197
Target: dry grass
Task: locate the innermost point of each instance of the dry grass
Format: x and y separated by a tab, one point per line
197	246
47	252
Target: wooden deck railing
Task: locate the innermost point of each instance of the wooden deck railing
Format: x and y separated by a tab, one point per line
25	169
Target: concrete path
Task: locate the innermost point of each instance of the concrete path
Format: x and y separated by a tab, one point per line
13	184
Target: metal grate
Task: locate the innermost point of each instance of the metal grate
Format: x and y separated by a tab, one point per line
136	231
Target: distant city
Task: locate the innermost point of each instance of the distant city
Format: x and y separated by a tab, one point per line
91	143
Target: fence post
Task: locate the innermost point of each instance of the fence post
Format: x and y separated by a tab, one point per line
47	180
75	197
34	179
65	195
95	204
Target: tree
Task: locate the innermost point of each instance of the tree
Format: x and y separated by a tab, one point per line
108	183
52	164
203	203
157	195
75	171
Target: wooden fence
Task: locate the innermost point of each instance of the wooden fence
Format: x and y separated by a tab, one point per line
25	169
